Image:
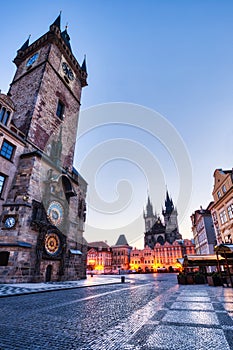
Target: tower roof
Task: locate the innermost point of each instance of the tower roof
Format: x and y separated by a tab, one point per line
84	65
57	21
169	206
25	45
149	208
122	240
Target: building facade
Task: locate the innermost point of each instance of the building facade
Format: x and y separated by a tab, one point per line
161	257
155	230
42	202
203	231
99	258
222	208
121	255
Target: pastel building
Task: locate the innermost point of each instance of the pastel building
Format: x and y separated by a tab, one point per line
163	256
99	257
222	208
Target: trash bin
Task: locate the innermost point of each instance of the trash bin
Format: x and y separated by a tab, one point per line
122	279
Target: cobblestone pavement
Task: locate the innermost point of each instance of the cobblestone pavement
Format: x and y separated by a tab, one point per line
28	288
152	312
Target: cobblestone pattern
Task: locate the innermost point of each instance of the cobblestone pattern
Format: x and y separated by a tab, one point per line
150	314
28	288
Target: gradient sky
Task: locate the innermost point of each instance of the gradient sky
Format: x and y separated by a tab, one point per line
174	57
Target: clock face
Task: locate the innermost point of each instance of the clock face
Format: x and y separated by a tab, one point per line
32	59
52	243
55	213
10	222
68	72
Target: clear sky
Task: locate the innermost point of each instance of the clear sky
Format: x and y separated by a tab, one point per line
173	57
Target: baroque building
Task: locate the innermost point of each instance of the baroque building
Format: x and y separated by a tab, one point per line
222	207
99	257
42	196
155	230
163	257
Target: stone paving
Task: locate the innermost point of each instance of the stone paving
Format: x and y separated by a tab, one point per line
150	313
28	288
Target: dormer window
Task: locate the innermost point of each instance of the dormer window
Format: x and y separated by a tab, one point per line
219	194
224	189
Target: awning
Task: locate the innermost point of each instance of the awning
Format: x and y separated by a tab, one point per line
16	244
75	252
224	249
201	260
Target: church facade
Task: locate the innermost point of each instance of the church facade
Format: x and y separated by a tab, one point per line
42	196
155	230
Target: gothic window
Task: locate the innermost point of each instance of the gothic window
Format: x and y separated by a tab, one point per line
60	109
2	182
7	150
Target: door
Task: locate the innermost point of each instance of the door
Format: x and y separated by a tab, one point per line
48	273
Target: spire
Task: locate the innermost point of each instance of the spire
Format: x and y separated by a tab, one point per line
169	206
57	22
25	45
149	208
84	65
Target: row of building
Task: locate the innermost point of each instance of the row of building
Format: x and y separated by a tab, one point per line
163	246
214	225
102	258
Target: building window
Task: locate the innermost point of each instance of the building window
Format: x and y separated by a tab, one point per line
4	257
223	217
219	194
4	115
60	110
2	182
7	150
224	189
230	211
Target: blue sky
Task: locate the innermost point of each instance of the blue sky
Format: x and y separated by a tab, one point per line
174	57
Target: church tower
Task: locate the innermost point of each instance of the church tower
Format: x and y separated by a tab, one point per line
170	220
149	217
43	212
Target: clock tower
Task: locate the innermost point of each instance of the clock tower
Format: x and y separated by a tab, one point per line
44	206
